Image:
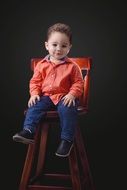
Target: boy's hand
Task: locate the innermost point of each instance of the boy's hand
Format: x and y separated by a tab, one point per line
33	99
68	100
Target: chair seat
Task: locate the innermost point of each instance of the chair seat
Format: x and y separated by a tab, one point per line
54	114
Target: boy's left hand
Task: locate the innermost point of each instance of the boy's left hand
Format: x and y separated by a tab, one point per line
68	100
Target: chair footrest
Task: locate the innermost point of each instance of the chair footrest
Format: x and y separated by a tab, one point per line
58	176
37	187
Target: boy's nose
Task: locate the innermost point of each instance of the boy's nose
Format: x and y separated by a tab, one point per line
58	48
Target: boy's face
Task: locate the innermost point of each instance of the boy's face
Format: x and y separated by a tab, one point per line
58	45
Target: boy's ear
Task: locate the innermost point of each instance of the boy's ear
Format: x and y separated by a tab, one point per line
70	46
46	45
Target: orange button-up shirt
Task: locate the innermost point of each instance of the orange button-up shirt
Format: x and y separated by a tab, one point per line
56	80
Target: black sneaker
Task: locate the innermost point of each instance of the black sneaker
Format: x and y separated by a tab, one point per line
64	148
24	136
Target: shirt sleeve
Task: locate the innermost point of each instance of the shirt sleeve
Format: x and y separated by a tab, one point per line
36	82
77	82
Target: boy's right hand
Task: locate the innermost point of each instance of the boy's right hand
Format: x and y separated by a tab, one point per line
33	99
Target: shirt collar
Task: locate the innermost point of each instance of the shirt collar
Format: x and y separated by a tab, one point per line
63	60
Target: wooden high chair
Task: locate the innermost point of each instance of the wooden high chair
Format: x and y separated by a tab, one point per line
79	177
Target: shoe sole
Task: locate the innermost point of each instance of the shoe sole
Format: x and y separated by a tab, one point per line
66	155
22	140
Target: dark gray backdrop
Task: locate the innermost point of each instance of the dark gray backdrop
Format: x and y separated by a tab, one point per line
99	31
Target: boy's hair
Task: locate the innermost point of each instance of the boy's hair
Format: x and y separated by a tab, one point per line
60	27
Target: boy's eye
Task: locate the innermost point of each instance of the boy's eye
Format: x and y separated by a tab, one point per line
64	46
54	45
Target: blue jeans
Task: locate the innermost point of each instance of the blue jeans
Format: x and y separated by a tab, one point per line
67	115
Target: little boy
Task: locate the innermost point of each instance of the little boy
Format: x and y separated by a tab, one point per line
56	83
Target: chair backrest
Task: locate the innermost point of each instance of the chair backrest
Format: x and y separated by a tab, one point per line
85	66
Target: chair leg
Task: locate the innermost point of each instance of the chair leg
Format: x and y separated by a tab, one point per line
32	148
27	167
42	151
87	182
74	170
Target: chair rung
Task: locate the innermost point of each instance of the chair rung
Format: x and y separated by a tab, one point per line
37	187
58	176
51	176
